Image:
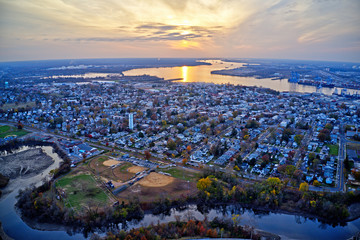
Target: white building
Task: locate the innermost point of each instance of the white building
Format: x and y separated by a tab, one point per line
131	121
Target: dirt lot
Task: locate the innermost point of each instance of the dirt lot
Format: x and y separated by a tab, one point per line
110	162
102	166
146	192
156	180
25	163
136	169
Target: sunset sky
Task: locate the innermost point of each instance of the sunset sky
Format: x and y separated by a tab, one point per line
67	29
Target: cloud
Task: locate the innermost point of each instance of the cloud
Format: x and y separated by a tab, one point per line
256	28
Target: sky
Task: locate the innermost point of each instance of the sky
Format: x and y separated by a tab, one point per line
284	29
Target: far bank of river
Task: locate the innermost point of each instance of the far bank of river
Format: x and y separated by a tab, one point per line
286	225
202	73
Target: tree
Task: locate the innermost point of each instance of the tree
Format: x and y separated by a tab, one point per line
105	122
252	124
290	169
324	135
304	187
286	134
171	144
274	183
356	173
315	163
316	183
298	174
204	183
188	148
298	138
147	155
184	161
265	158
311	156
329	126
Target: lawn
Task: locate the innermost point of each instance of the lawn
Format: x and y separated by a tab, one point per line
184	174
8	106
6	130
123	168
334	149
81	190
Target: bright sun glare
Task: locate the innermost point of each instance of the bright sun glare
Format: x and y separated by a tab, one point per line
184	70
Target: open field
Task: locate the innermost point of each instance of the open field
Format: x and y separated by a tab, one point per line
334	149
8	106
183	173
6	130
80	189
176	189
123	172
135	169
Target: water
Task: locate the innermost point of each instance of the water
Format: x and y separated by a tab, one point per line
285	225
202	73
12	223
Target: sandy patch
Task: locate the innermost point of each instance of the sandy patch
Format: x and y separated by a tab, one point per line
115	183
110	162
135	169
156	180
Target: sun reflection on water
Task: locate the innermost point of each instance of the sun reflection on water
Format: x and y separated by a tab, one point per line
184	70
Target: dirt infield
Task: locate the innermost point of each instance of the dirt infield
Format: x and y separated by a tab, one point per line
156	180
135	169
110	162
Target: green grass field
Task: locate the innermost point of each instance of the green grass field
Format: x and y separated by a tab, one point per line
82	190
125	166
8	106
334	149
6	130
183	174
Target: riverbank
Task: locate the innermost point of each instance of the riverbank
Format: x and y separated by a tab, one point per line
225	228
354	211
3	235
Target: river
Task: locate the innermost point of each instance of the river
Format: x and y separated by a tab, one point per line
202	73
285	225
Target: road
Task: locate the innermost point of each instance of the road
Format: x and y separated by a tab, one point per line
340	178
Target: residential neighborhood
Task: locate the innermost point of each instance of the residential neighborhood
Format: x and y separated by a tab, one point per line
254	132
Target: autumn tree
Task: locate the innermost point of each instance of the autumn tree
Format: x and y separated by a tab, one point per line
147	155
274	183
184	161
188	148
203	183
316	183
304	187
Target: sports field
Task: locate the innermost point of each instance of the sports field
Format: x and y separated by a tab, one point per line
6	131
80	190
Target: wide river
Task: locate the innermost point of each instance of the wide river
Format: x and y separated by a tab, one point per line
202	73
286	225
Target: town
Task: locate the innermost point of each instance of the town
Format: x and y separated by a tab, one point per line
254	132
